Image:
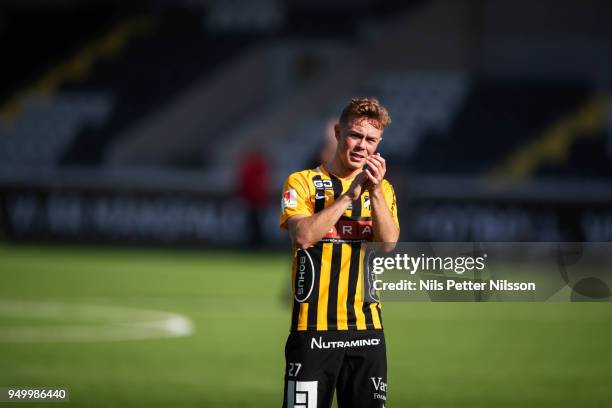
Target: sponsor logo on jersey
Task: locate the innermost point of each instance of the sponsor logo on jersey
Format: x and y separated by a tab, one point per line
320	344
289	199
350	230
323	184
371	276
304	276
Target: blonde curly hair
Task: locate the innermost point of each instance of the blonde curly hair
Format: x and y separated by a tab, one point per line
368	108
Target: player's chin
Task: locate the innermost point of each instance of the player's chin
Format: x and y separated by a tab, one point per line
356	163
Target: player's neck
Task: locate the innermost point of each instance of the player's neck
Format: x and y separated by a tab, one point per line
339	170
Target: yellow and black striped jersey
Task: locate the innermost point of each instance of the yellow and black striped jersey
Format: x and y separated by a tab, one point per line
327	277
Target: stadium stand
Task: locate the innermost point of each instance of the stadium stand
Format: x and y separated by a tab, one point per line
258	83
36	38
147	72
573	147
420	103
151	72
59	119
166	96
498	116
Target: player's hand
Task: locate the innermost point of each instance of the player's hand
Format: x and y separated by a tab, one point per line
357	187
375	172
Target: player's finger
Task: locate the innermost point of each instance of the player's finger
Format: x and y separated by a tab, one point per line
377	176
382	159
373	179
375	169
370	176
374	163
379	159
361	178
381	164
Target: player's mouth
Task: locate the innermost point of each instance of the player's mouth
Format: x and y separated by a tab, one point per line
356	156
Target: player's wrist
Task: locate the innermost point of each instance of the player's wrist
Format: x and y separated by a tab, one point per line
376	191
346	199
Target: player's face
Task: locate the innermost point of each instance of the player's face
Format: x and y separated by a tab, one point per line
357	141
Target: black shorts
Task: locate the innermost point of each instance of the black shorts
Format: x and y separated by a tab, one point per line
354	363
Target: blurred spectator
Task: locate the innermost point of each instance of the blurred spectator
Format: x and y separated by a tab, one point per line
330	143
328	147
254	187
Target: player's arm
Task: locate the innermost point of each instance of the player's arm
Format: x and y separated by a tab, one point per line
305	231
384	224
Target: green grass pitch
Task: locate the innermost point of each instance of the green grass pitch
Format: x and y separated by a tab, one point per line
440	354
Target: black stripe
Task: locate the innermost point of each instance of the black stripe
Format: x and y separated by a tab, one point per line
319	196
356	208
334	275
368	316
352	285
337	185
313	300
379	315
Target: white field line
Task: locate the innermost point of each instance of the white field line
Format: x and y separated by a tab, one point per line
87	322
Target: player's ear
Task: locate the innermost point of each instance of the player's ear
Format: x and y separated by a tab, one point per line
337	132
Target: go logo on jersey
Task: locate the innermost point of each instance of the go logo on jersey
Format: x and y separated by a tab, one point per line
323	184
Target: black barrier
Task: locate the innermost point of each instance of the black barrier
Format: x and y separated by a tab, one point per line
158	215
497	220
138	217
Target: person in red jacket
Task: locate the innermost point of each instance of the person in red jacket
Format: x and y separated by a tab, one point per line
253	188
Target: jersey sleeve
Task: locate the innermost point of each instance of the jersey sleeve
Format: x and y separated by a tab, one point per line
296	199
391	200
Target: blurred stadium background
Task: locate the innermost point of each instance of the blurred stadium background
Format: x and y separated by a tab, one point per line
159	132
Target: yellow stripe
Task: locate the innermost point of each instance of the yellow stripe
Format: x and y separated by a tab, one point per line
303	317
343	280
375	317
326	254
293	271
358	304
